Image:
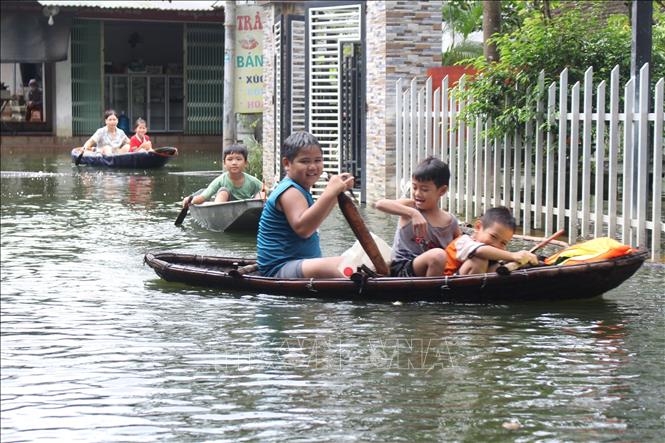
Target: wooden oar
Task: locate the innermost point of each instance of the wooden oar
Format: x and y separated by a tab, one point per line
80	156
183	212
507	268
531	238
362	233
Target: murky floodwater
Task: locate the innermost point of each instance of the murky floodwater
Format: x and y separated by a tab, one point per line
96	348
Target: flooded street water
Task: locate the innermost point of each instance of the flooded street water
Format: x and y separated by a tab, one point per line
95	347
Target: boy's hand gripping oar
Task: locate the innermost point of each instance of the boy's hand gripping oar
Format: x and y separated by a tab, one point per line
183	212
507	268
362	233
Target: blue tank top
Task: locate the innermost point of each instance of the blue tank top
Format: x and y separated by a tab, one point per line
277	243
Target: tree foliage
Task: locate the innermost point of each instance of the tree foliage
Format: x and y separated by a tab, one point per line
507	90
463	17
466	16
460	52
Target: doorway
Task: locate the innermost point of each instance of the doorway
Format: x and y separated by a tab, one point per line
25	98
352	115
143	73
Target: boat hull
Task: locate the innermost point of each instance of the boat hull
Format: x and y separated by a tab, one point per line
539	283
237	215
130	160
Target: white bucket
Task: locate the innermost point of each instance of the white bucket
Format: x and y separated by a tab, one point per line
355	256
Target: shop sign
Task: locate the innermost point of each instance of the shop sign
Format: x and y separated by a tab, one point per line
249	60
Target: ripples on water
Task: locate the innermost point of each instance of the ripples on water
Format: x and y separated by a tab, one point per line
96	348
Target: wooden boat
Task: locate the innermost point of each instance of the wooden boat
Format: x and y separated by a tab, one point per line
537	283
237	215
133	160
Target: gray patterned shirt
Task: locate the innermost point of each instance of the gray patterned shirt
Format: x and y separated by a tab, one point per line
103	137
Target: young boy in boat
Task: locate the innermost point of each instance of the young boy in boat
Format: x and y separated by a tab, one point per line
140	140
288	240
234	184
423	229
480	252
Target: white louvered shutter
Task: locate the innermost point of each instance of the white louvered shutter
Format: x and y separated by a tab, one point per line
326	26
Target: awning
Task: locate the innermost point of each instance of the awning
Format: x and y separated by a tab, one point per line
26	37
163	5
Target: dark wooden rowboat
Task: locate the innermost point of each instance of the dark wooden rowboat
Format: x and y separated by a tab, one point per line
132	160
236	215
538	283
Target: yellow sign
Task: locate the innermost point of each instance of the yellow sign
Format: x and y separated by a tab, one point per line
249	60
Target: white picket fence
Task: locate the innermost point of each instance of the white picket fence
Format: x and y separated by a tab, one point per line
530	177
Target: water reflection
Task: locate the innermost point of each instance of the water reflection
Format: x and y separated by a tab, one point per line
96	347
140	190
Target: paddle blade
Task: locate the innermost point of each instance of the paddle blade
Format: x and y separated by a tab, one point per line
181	216
78	159
183	212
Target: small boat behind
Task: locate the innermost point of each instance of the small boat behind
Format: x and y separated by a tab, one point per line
539	283
236	215
133	160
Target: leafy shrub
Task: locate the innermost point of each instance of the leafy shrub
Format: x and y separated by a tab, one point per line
461	52
255	158
507	91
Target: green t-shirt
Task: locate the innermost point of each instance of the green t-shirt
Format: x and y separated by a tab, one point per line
250	187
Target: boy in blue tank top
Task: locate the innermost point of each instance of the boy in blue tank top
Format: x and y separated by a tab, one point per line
288	241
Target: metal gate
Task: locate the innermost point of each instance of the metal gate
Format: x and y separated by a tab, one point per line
204	78
352	105
87	89
326	27
289	43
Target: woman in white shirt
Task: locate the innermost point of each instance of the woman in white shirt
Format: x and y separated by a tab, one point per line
109	139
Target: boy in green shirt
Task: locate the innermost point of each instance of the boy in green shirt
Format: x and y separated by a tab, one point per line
234	184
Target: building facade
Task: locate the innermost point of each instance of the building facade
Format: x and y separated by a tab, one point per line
331	68
159	61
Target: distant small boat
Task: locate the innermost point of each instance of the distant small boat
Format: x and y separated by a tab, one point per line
539	283
236	215
134	160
